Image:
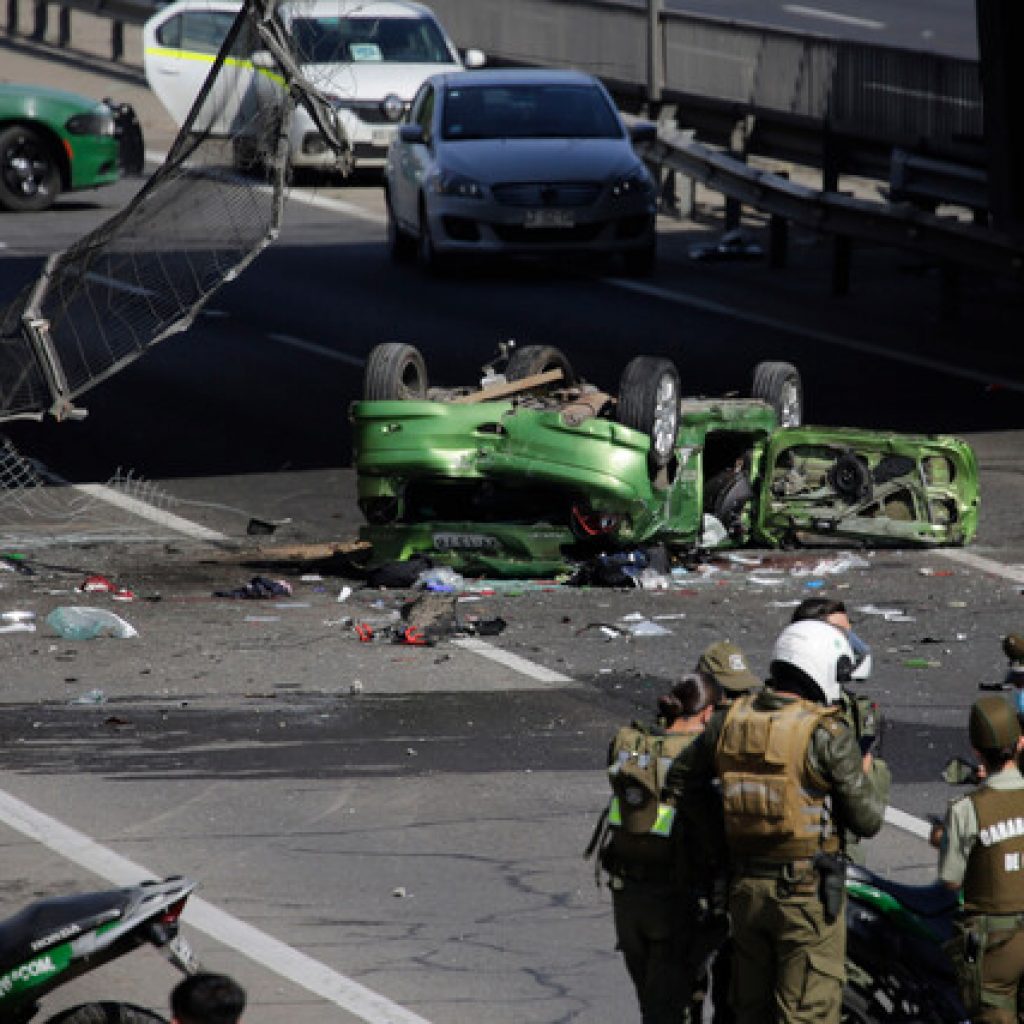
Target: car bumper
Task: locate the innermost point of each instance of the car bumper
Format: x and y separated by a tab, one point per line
477	226
95	161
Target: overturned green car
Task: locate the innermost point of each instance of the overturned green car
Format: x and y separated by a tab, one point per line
534	469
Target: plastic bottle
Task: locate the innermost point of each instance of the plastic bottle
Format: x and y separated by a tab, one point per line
74	622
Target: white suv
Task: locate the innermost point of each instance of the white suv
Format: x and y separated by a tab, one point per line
369	59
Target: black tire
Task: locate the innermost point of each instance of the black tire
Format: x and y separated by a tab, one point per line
29	174
401	246
640	262
394	370
779	385
427	256
107	1013
850	477
649	402
531	359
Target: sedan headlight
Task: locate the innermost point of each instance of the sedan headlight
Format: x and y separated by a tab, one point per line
446	183
95	123
393	107
636	183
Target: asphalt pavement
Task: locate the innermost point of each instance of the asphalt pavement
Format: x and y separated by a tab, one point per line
411	819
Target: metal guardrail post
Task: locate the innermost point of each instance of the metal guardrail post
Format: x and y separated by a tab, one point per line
39	20
12	17
655	61
117	40
737	148
778	235
64	27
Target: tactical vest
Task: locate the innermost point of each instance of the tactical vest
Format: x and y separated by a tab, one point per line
994	880
641	752
776	808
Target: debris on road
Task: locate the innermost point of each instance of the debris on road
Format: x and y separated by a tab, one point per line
75	622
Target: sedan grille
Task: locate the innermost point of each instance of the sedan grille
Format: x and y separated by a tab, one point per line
557	194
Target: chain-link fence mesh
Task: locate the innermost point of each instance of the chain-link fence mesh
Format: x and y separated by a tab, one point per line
206	212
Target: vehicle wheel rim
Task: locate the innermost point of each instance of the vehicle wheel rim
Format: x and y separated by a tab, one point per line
666	415
25	168
789	405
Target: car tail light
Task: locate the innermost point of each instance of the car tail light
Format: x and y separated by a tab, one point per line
173	912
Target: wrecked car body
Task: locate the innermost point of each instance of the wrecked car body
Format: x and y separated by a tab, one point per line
534	470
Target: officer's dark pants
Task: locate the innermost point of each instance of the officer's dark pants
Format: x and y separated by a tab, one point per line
650	922
721	981
788	963
1002	968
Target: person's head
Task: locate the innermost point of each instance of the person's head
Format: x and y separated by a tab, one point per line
827	609
812	659
994	730
1013	648
693	698
207	999
725	664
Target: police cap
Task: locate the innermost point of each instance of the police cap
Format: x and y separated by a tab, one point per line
727	665
993	724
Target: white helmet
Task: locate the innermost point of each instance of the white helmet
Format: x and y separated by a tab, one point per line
820	654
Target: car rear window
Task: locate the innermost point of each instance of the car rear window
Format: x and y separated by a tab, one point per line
528	112
370	40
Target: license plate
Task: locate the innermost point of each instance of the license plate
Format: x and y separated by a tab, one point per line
465	542
179	952
382	136
549	219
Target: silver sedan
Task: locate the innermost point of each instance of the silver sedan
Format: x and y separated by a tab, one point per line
519	162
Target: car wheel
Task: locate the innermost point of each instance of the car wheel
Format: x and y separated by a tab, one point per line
850	477
649	402
426	254
780	386
640	262
29	176
401	247
394	370
532	359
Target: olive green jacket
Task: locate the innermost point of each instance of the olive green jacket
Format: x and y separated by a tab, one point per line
833	754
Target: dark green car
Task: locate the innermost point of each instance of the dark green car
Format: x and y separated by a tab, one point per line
534	469
52	142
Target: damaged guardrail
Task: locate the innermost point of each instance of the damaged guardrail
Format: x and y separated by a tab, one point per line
896	224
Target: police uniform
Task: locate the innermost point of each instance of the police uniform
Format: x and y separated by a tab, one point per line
982	849
791	779
651	906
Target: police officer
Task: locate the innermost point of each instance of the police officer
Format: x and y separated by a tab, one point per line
791	778
860	713
654	911
982	852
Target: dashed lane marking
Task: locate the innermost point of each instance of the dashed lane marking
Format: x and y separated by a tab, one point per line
257	945
826	337
318	350
980	562
534	671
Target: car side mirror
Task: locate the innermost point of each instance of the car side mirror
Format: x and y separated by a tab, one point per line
474	59
412	133
643	131
264	60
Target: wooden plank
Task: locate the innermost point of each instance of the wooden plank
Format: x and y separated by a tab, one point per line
510	387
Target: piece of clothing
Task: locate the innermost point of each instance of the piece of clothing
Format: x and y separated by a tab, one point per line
650	925
982	849
961	826
788	962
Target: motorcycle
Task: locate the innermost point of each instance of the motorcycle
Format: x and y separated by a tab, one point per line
54	941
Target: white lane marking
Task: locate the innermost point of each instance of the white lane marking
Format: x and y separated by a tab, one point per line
908	822
844	19
154	515
319	350
826	337
264	949
121	286
989	565
513	661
